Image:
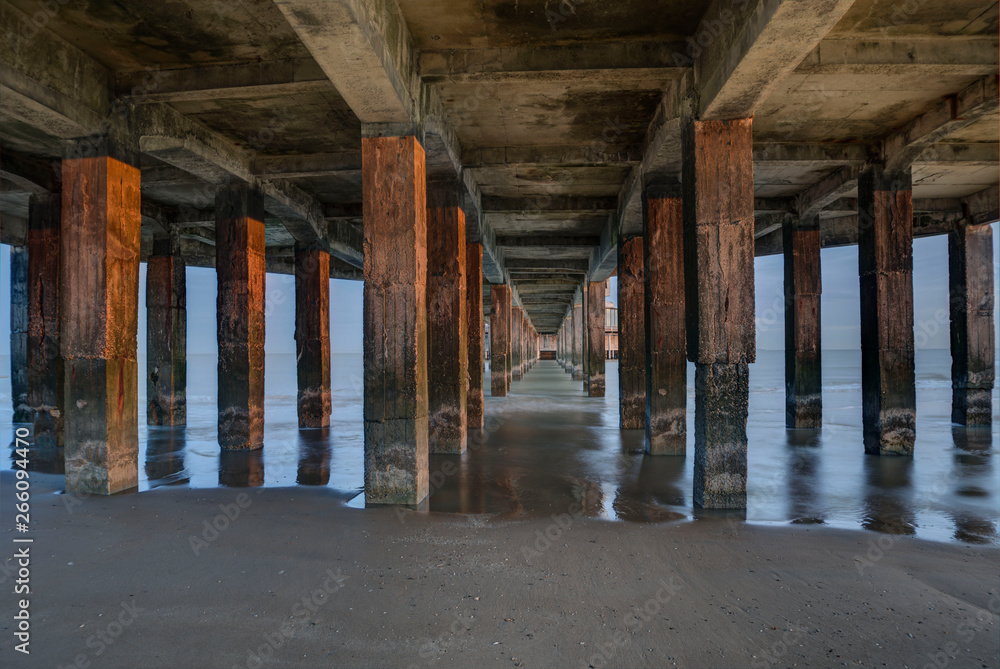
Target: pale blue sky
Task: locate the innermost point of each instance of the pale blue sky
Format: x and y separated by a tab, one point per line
841	314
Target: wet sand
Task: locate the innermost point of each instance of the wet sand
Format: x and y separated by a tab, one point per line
117	583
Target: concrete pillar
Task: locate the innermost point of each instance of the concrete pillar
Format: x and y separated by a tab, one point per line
45	364
885	262
577	341
312	336
595	339
665	417
719	280
239	266
395	320
631	335
447	314
515	343
98	312
803	294
19	334
166	337
970	265
500	374
476	352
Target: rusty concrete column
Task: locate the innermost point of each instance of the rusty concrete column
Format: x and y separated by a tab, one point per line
803	294
577	340
447	314
719	281
970	268
166	337
585	338
98	314
476	351
885	261
500	313
515	343
45	364
395	320
239	267
595	339
19	334
312	336
631	335
665	333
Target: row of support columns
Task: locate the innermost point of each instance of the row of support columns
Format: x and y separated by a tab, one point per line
686	286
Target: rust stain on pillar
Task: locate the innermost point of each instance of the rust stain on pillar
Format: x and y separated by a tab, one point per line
885	261
45	364
973	341
665	415
719	281
166	339
595	339
631	334
239	266
312	336
476	350
99	258
803	296
447	314
395	320
500	329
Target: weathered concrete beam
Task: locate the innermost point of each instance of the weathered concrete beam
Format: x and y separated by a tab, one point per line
951	56
547	203
365	49
982	207
30	175
797	154
901	148
219	82
546	241
825	191
346	164
524	156
752	48
68	101
613	61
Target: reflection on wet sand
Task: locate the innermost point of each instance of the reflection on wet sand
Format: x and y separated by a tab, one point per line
241	469
804	487
973	475
314	457
165	456
888	495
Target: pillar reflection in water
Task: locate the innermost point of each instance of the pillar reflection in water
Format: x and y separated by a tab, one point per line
314	457
165	448
805	506
241	469
889	503
649	485
973	476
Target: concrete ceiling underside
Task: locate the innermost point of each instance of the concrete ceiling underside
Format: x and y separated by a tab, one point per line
549	116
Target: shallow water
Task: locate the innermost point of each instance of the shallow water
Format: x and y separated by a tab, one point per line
549	449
